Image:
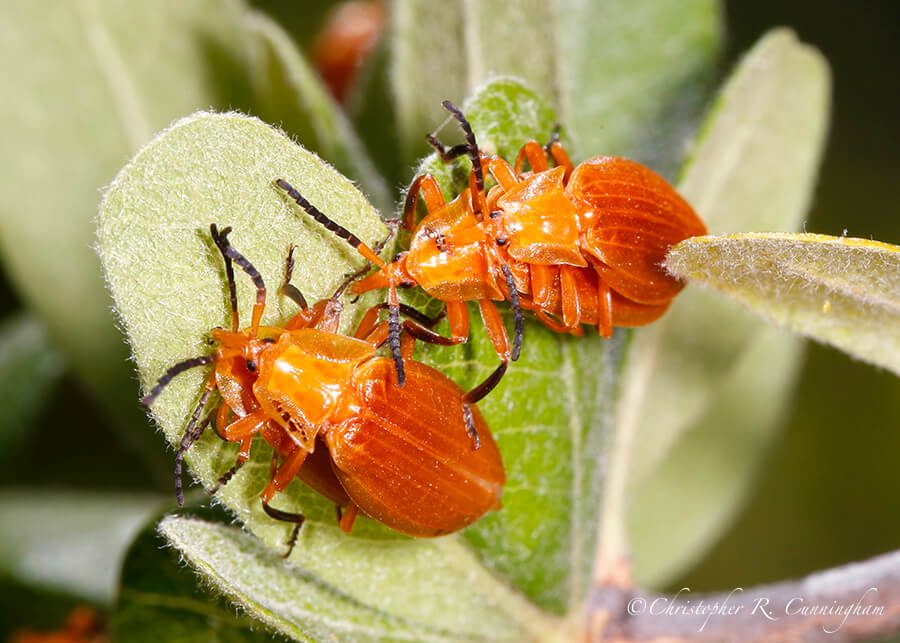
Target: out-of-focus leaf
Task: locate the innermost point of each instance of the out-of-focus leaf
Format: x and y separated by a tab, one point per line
633	77
373	111
161	599
703	481
754	166
29	368
69	541
625	78
436	576
426	66
839	291
89	81
288	93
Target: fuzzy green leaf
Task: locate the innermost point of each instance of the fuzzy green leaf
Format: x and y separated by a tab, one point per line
29	368
436	594
288	92
839	291
626	79
93	80
160	599
69	541
775	106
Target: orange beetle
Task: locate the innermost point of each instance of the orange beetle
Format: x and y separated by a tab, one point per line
347	40
83	625
401	456
577	245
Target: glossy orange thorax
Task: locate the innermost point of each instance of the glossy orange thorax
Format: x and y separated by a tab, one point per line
302	377
449	254
542	221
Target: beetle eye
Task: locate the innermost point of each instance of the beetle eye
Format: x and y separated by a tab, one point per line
440	240
251	365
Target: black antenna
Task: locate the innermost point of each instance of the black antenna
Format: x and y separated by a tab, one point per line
333	226
471	143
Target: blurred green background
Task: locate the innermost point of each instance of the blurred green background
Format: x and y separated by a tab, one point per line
826	494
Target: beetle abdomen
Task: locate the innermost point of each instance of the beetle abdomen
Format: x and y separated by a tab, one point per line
638	217
406	458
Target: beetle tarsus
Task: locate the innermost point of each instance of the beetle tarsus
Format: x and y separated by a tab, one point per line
227	476
470	427
517	312
191	434
394	339
477	393
286	516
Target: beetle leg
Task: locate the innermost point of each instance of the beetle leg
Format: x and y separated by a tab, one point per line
471	145
537	157
190	436
222	414
310	317
604	307
192	433
288	289
281	477
285	472
503	172
496	331
286	516
513	294
242	457
368	322
561	157
550	323
394	333
434	198
458	317
245	427
477	394
543	279
370	319
348	518
571	302
447	154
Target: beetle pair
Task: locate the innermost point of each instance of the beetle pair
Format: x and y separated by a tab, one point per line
335	417
574	244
